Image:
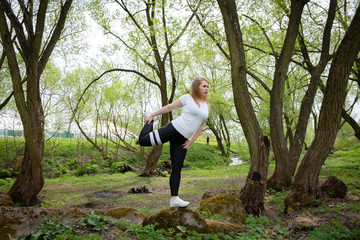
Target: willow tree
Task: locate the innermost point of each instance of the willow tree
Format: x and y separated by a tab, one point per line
306	181
22	28
153	33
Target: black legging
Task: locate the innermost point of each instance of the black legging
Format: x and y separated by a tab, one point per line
167	133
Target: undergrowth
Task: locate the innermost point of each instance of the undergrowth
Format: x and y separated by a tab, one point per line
63	230
78	157
257	228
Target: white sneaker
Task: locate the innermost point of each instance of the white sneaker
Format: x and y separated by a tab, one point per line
177	202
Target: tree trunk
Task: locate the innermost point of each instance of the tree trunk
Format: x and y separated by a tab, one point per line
217	136
151	163
153	158
102	150
226	135
306	182
308	100
30	180
355	126
34	54
253	193
281	178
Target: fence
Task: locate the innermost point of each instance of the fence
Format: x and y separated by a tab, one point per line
20	133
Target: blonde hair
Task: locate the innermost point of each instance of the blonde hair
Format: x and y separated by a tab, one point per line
195	93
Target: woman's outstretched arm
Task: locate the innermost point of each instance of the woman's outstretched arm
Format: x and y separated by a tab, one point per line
168	108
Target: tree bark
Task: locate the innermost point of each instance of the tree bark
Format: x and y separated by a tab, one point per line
217	136
151	168
306	182
308	100
355	126
226	135
30	180
281	179
253	193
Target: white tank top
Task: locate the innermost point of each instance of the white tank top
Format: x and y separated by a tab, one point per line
192	116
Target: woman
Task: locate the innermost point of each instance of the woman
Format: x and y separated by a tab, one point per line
195	110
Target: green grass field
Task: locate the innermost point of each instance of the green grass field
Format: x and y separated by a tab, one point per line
205	169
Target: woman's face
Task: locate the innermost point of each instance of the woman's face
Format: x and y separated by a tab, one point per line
204	88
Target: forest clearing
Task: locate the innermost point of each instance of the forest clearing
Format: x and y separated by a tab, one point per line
258	102
104	189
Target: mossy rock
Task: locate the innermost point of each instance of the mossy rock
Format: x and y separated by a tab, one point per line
174	217
216	227
214	192
226	205
5	200
129	214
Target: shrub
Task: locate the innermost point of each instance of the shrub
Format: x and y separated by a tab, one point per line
87	169
118	167
6	173
73	163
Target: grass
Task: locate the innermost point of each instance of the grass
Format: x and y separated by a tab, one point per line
344	163
69	190
206	169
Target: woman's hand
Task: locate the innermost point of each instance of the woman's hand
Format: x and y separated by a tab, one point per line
188	143
149	118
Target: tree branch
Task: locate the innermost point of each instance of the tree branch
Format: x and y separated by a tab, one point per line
109	71
183	30
6	8
266	36
55	36
123	6
211	35
131	48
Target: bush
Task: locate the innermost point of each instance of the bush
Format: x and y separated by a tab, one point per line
118	167
6	173
73	163
87	169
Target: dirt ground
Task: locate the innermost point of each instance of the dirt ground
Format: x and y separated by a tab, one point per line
300	223
345	211
330	210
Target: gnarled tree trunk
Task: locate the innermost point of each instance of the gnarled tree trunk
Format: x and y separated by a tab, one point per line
30	180
306	182
308	100
35	54
281	178
253	193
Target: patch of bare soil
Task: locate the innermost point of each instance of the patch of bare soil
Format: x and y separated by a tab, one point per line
329	210
106	195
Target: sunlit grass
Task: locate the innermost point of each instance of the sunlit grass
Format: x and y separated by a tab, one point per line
344	164
205	170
